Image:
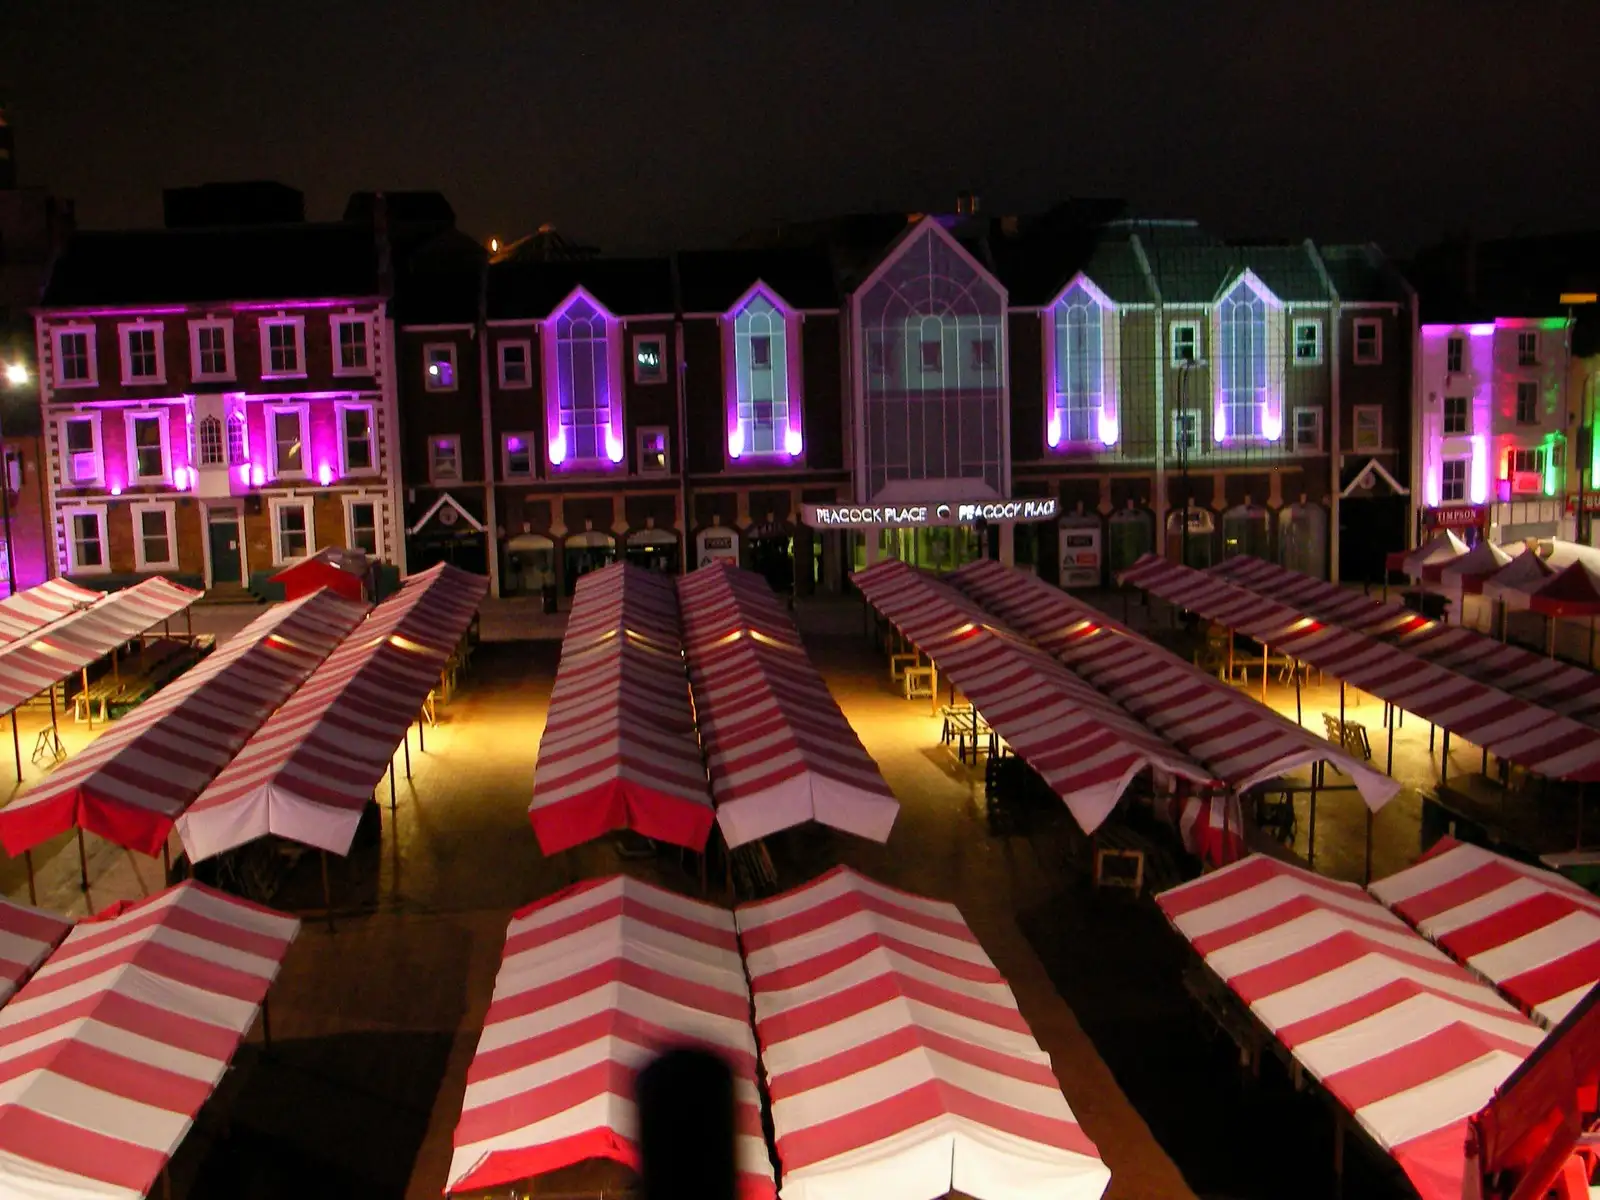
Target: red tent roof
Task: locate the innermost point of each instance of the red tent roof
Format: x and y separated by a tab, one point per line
1572	592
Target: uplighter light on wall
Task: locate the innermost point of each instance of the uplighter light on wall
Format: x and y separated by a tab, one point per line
1480	469
736	441
324	474
558	447
793	443
613	446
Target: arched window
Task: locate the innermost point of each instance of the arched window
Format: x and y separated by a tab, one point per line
208	442
1246	530
1130	535
762	386
1248	370
582	423
1303	539
1083	340
1193	548
238	447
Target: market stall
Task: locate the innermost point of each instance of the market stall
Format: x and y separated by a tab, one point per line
594	981
27	936
779	750
897	1061
619	748
37	607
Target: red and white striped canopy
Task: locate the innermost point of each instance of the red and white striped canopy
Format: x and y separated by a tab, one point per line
37	661
1211	827
1531	933
898	1064
27	936
1513	584
29	611
1465	576
1403	1038
136	779
1573	591
109	1051
1435	552
1536	738
779	750
619	749
1242	742
308	771
1086	748
594	982
1536	678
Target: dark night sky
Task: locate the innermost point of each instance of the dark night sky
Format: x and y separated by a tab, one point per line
644	125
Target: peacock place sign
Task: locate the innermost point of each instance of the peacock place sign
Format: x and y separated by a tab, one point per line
955	512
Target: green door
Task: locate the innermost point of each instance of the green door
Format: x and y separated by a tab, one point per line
225	550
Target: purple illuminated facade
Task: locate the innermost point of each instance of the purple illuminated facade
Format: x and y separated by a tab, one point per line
217	403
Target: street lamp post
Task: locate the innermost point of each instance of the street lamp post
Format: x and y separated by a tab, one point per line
16	375
1183	456
1584	524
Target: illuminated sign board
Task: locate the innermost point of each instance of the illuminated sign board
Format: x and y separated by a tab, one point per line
963	512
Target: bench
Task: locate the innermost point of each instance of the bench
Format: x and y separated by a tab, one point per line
917	682
898	664
966	728
100	692
1352	735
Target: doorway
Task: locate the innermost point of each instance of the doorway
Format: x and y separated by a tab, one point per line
226	539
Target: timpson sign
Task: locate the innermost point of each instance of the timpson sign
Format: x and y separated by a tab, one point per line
964	512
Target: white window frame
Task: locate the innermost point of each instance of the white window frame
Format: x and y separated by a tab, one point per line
68	478
168	510
57	333
298	324
335	323
433	442
526	346
1532	336
130	418
1172	344
1295	326
1455	341
1466	413
1315	444
1444	484
1196	417
638	448
195	358
644	339
1528	386
340	408
125	332
428	382
1357	444
303	412
1065	404
530	443
1373	326
277	505
350	501
98	512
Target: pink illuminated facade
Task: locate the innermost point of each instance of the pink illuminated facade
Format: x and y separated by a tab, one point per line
217	404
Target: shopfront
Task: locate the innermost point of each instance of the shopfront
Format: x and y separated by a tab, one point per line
937	536
530	565
654	549
1303	539
716	544
1082	552
1130	535
585	552
1247	531
1467	521
1196	546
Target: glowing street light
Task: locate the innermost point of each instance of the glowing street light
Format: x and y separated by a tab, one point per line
17	374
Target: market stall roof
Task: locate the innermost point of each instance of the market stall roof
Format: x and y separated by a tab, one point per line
1465	576
1242	742
1517	731
309	770
38	660
594	982
619	749
135	780
897	1061
1435	552
1573	591
779	750
27	936
35	608
110	1050
1536	678
1528	931
1513	583
1086	747
1404	1039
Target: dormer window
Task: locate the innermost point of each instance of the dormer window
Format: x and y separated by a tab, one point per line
1081	350
1248	360
762	340
582	375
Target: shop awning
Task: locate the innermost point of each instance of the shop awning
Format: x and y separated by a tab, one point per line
1086	747
619	749
35	608
780	752
1536	678
1530	932
1240	741
41	659
594	982
1405	1040
134	781
897	1061
1517	731
111	1049
27	936
309	771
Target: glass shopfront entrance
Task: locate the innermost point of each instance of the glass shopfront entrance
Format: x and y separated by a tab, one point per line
936	548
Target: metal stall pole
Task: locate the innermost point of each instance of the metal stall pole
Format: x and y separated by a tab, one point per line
1367	876
1444	759
1388	753
1263	672
405	740
33	896
422	740
1299	718
391	783
1311	824
87	706
83	860
16	744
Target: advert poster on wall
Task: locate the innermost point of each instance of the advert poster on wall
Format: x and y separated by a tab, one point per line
1080	555
716	545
